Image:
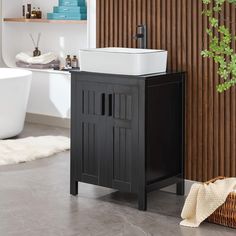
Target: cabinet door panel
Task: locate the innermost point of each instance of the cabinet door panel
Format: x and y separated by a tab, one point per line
91	133
95	162
122	154
125	136
89	152
92	100
123	106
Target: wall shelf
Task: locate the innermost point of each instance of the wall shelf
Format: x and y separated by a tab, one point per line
23	20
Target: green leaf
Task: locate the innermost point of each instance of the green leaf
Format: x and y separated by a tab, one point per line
220	44
214	22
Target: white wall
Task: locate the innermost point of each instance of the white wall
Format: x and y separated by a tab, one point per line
1	61
91	23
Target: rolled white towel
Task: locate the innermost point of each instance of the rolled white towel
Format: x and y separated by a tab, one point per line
43	59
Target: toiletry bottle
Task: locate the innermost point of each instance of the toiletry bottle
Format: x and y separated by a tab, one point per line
68	62
39	13
34	13
23	11
27	16
74	62
28	13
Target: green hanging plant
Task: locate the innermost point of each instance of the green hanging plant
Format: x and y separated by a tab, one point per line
220	44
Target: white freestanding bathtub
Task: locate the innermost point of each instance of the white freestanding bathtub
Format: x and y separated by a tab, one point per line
14	94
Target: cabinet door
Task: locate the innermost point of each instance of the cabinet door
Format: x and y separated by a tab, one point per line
91	128
105	139
124	137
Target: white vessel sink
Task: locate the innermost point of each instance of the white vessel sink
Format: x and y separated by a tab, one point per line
126	61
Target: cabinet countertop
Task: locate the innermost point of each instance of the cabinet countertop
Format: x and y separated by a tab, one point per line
148	76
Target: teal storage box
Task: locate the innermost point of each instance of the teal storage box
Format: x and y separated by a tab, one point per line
72	3
67	16
81	2
64	9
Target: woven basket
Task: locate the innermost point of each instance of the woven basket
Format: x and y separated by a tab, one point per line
225	214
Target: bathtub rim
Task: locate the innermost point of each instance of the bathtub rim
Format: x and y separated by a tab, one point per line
15	73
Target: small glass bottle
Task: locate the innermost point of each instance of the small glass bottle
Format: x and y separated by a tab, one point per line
68	62
74	62
34	13
28	13
39	13
23	11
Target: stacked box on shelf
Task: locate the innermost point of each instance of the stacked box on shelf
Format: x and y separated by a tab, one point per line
69	10
72	3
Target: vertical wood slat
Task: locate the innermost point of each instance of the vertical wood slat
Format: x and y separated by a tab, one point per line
98	22
111	22
125	24
130	30
193	15
215	120
209	170
200	93
116	20
103	22
191	157
221	127
183	66
139	12
227	111
205	106
107	20
120	23
174	35
149	22
157	27
168	30
163	24
178	26
134	13
233	109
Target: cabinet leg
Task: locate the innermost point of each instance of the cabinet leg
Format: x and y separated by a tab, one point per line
142	201
73	187
180	188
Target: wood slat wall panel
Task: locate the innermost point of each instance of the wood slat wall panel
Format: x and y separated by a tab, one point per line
178	26
227	112
233	110
200	93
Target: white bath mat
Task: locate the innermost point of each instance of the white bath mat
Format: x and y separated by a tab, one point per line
31	148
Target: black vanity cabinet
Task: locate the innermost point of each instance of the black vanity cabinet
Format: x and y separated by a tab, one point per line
127	132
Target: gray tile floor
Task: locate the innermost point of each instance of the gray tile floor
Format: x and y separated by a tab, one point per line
35	201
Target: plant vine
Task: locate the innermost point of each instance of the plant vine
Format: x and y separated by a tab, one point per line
220	43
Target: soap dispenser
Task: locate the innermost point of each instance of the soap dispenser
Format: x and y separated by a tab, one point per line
34	13
68	62
39	13
74	62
